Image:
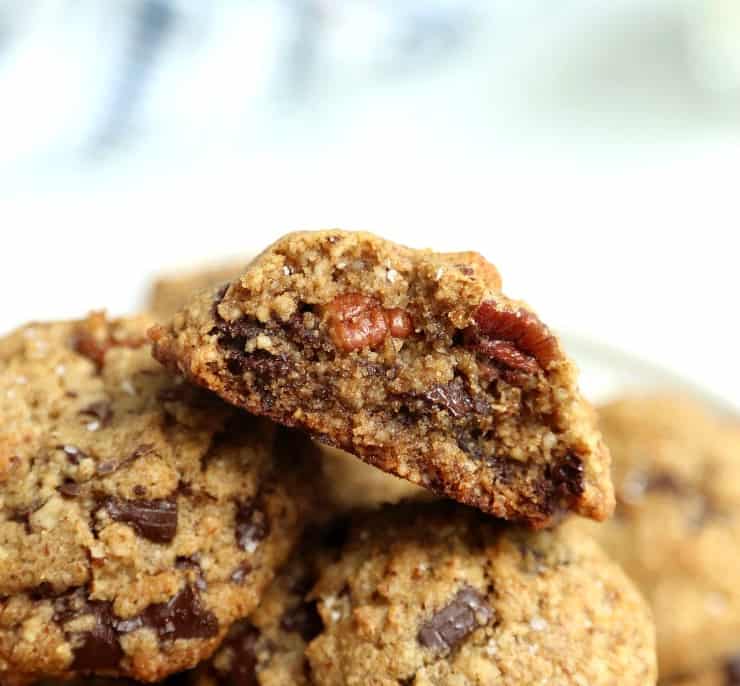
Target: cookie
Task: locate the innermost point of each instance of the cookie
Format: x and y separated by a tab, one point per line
676	530
268	649
139	516
414	361
170	292
349	482
434	593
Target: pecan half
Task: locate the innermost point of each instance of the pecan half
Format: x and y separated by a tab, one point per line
358	321
516	338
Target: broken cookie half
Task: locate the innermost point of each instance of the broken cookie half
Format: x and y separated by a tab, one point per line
412	360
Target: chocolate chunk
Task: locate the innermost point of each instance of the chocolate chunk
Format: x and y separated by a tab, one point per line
453	397
239	575
43	591
152	519
100	647
182	617
69	489
243	649
140	491
567	477
251	527
467	611
303	619
732	671
101	410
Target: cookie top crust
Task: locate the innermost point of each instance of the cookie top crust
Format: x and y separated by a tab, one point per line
414	361
676	530
139	516
439	594
170	292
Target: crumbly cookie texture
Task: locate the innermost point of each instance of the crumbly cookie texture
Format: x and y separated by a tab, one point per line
412	360
676	531
349	482
139	516
268	649
437	594
170	292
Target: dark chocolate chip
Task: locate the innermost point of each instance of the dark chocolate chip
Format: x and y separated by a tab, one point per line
43	591
69	489
140	491
99	647
152	519
101	410
467	611
182	617
453	397
240	574
304	620
732	671
251	526
567	477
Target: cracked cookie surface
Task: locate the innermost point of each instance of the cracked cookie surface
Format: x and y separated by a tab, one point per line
139	516
676	530
436	594
412	360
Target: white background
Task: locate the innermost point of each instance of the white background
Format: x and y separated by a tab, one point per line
586	162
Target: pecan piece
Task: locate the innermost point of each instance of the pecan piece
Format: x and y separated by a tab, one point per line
399	322
517	338
94	337
358	321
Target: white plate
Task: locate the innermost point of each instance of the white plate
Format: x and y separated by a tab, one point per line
607	372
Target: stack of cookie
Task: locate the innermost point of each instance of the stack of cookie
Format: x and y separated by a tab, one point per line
231	504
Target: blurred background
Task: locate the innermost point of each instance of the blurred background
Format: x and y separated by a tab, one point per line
589	148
